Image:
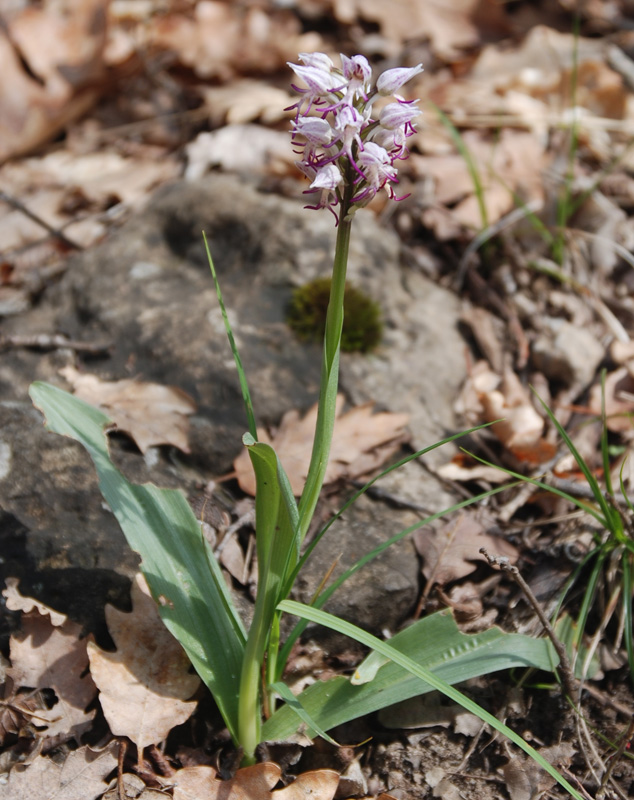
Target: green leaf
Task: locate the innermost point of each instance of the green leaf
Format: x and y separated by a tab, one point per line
178	564
435	643
422	674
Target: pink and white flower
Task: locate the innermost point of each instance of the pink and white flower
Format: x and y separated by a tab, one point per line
340	143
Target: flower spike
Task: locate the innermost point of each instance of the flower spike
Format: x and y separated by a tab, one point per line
334	132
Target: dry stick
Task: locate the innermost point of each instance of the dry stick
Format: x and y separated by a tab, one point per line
19	206
45	341
570	683
123	748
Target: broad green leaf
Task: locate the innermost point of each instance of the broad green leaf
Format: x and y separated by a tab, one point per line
436	644
178	564
423	675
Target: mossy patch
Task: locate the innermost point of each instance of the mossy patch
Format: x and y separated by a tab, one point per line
362	326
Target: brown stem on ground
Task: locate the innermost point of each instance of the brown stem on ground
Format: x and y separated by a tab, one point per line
570	683
123	749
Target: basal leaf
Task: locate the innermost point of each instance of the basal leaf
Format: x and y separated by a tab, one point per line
177	562
435	643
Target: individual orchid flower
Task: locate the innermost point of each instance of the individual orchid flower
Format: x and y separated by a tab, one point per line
358	73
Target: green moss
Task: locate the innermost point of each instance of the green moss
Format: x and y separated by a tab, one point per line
362	327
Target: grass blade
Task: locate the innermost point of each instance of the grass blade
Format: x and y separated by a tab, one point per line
244	386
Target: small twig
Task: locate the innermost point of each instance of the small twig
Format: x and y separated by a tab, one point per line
123	749
570	683
19	206
45	341
602	697
615	759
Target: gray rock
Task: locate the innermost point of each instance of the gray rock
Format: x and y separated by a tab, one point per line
148	291
570	356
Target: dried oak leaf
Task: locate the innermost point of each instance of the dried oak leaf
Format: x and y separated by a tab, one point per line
80	777
362	441
17	602
148	412
145	684
449	552
253	783
47	655
250	783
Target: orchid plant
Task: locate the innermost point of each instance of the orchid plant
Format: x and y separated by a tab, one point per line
348	153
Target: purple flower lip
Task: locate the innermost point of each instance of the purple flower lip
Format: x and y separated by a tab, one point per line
338	140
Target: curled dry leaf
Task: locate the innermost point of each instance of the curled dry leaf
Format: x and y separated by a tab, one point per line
80	777
362	441
49	654
148	412
449	552
493	397
145	684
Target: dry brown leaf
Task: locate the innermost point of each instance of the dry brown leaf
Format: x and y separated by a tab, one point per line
446	23
17	602
318	784
80	777
94	180
547	66
53	656
239	148
449	552
193	783
246	100
145	684
506	399
463	468
148	412
249	783
511	164
362	441
224	39
525	779
62	44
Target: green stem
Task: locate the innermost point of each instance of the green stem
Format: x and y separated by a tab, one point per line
250	706
329	372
